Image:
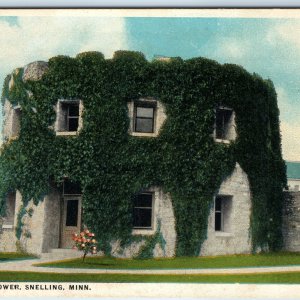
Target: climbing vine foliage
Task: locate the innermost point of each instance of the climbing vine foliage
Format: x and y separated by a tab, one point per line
184	159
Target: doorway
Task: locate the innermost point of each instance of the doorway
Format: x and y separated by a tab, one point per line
71	220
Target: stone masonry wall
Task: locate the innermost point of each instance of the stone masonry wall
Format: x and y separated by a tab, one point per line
8	236
11	122
51	228
40	229
163	214
291	221
166	216
235	239
33	225
8	240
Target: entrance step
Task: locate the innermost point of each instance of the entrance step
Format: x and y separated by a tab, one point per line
60	254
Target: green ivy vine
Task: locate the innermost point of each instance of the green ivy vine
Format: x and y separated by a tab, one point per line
184	159
157	238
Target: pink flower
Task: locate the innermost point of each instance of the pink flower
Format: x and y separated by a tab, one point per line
82	233
93	241
94	247
88	240
87	231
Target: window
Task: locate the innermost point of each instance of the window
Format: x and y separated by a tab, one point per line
16	120
143	207
224	125
223	206
71	188
68	116
8	221
147	116
72	116
12	120
144	117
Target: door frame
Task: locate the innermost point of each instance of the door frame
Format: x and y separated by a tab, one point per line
64	201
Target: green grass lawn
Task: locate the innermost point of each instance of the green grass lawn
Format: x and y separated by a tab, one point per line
289	277
7	256
228	261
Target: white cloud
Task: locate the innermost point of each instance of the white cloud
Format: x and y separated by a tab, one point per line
285	107
39	38
290	140
287	32
231	48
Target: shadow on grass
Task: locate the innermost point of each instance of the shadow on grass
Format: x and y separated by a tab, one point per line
99	264
8	259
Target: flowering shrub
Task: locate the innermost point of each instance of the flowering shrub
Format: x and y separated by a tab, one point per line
85	241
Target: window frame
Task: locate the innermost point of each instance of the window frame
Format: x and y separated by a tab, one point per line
144	228
225	214
144	104
63	112
219	213
230	125
11	223
16	121
68	105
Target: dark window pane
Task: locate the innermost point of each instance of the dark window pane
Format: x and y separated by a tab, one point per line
73	110
72	213
73	124
142	218
10	209
144	112
142	214
144	125
218	205
71	188
218	221
222	122
143	200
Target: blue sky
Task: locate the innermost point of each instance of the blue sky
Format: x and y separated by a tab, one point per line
269	47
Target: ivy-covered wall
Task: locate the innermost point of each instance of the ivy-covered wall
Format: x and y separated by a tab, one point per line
184	159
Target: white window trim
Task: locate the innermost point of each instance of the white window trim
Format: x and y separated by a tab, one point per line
66	133
7	226
223	234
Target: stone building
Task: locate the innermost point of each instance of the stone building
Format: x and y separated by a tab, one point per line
291	212
50	224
